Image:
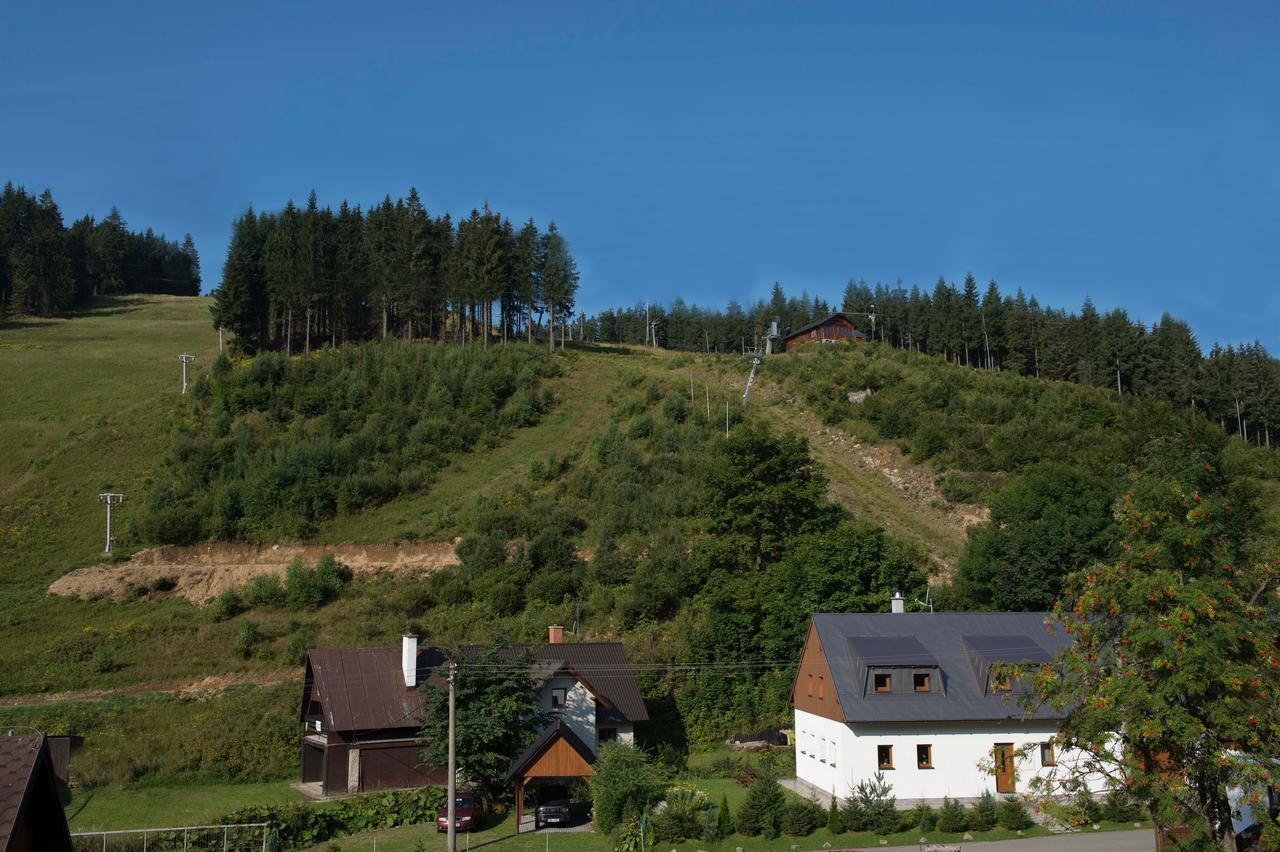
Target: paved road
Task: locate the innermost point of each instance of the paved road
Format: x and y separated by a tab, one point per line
1139	840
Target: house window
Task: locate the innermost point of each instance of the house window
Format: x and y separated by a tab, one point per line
822	687
920	681
822	751
1047	757
924	756
1000	682
884	683
557	696
833	754
884	756
608	734
810	687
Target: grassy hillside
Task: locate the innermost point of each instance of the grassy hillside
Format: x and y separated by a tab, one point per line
621	499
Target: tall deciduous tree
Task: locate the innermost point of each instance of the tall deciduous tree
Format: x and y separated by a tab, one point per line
1172	686
497	715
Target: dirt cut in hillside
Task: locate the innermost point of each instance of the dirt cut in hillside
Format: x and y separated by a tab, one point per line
203	571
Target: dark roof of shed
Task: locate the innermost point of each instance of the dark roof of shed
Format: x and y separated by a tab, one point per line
823	321
363	689
963	644
21	778
560	730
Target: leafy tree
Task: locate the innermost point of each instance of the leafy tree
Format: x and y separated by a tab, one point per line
1051	521
496	717
764	490
1170	687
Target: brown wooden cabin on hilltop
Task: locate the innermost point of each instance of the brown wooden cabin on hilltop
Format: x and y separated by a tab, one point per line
834	328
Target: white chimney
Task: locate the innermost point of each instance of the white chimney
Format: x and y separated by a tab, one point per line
409	660
898	603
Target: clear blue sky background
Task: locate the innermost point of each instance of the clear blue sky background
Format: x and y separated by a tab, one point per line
1123	150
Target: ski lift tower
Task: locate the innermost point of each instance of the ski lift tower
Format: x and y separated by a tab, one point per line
757	357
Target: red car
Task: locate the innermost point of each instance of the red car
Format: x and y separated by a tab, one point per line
465	813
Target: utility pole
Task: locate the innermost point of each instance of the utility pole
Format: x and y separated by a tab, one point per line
109	498
726	418
219	340
452	837
646	324
986	342
185	359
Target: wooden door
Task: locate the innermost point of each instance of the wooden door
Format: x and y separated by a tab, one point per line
1003	758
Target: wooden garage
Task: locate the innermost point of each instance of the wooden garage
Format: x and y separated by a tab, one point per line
557	755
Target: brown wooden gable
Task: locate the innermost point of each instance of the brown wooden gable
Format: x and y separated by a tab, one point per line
813	690
560	760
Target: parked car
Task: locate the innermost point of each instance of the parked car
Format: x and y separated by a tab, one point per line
553	806
465	813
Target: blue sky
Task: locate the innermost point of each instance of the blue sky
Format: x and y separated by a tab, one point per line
1121	150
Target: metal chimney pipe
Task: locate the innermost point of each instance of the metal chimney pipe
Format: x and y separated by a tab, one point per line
898	603
409	660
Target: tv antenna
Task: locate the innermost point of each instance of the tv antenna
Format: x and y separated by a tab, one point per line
185	359
928	599
108	498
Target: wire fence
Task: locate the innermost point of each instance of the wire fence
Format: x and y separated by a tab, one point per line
247	837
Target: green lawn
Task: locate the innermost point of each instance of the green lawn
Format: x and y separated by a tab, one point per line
111	808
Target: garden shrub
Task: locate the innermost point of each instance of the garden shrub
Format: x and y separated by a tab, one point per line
681	814
724	818
800	819
877	805
926	817
1119	806
1013	815
835	824
952	816
761	812
625	781
983	816
298	824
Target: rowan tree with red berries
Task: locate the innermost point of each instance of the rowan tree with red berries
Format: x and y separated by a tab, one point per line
1172	687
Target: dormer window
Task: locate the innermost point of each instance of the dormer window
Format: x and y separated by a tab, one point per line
558	697
920	682
883	682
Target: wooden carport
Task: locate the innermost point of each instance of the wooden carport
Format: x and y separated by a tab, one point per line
557	754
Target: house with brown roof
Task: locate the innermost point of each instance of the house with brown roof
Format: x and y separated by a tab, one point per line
31	816
833	328
361	709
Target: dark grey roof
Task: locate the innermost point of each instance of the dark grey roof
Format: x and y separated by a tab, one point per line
960	644
601	666
823	321
560	730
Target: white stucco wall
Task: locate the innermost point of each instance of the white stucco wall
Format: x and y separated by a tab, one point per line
834	756
579	712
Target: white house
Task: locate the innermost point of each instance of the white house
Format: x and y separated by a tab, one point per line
912	695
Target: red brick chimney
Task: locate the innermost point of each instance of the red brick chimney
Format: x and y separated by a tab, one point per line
555	634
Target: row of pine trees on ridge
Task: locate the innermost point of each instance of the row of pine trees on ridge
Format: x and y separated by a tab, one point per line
1237	385
303	277
46	267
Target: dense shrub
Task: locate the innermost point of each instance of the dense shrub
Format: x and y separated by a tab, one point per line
952	816
625	783
1119	806
835	824
297	824
873	807
925	816
682	815
247	638
761	812
724	818
983	816
801	818
1013	814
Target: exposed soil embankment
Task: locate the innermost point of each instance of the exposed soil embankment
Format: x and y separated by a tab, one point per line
202	571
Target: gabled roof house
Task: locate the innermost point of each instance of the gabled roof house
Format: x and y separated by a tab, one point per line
913	695
361	710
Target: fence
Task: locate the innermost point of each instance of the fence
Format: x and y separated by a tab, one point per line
247	837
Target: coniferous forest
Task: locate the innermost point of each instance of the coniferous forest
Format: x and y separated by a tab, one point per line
1237	386
46	267
306	277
